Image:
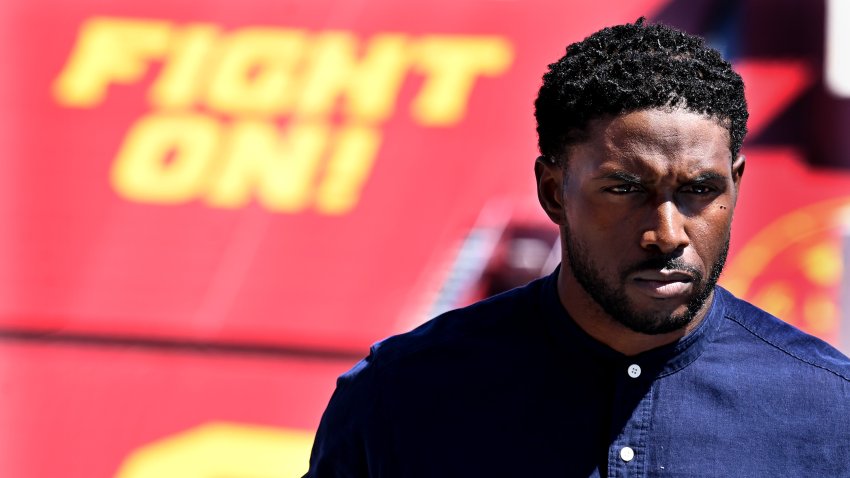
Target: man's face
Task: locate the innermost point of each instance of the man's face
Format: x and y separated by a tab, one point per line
646	209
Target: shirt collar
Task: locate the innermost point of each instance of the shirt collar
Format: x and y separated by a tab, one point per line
659	362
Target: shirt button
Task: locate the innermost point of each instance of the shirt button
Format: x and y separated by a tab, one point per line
627	454
634	370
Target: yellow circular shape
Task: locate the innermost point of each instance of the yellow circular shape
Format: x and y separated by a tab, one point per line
809	221
793	266
820	313
776	298
822	264
216	450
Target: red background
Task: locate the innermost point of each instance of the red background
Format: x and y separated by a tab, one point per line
122	322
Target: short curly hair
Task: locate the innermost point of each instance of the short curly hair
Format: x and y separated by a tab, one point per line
631	67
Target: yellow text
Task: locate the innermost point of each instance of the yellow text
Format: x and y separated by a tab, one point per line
274	72
289	118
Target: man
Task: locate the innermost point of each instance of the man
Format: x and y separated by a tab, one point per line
628	360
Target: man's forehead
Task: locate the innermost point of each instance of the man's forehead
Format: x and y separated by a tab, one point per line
652	120
654	132
653	154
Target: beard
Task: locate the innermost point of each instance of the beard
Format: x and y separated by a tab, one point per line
613	300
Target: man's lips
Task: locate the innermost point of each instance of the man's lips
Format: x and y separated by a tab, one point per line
663	284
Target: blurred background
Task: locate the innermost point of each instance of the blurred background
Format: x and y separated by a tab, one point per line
212	208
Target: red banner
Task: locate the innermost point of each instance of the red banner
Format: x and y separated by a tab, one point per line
212	209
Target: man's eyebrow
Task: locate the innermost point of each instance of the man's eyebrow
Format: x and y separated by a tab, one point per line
622	176
707	176
632	178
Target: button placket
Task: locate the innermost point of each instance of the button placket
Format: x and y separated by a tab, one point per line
627	451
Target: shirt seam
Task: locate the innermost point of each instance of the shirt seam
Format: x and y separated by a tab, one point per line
787	352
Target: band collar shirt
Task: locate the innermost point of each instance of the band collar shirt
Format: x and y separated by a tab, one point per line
511	386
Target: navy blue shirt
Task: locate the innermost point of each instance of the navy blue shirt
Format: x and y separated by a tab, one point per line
511	386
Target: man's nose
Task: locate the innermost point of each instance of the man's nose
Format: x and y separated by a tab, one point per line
666	229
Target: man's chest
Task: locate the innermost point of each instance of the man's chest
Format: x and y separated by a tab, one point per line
599	421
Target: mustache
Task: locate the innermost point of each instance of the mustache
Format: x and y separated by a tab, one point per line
670	263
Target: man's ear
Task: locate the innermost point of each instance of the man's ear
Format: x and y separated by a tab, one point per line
738	170
550	178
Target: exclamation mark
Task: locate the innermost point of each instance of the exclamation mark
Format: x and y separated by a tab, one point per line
348	168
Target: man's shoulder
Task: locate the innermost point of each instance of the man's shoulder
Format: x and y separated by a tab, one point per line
486	324
494	317
763	329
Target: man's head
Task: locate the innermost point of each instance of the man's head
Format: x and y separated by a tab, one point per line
631	67
640	128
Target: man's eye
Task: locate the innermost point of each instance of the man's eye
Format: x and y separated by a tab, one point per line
699	189
624	189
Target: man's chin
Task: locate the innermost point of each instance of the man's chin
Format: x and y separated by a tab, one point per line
654	316
657	323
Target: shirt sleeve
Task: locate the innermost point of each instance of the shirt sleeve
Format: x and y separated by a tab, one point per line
340	448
